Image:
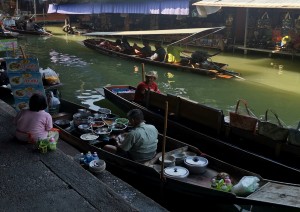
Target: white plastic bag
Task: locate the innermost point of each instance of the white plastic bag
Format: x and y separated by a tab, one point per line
247	185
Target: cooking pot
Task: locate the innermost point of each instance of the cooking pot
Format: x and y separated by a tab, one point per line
196	164
176	172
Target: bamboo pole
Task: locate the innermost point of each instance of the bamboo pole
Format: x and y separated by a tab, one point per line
143	72
23	53
162	176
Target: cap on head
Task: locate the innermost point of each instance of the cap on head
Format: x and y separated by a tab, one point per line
152	74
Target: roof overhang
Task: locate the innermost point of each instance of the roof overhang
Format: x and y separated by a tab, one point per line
279	4
154	32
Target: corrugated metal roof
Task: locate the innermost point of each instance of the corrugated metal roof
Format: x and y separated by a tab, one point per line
280	4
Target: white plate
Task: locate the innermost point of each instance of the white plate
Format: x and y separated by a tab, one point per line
89	137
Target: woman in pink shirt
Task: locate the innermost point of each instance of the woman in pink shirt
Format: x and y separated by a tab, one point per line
35	123
148	84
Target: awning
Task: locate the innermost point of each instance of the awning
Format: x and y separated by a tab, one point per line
280	4
154	32
166	7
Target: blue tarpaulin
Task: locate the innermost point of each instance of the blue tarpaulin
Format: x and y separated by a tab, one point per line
168	7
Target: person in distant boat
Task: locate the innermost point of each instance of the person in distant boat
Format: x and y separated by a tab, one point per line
30	25
174	53
145	51
140	144
159	53
35	123
148	84
127	49
9	22
117	46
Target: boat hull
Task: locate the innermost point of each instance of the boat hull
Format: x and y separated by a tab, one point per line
211	141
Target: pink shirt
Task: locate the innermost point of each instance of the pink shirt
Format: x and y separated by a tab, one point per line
36	123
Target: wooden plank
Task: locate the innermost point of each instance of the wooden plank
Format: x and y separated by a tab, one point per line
278	193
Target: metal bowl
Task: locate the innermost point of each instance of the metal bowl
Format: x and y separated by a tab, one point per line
118	127
122	121
104	110
168	160
63	123
84	128
97	124
105	130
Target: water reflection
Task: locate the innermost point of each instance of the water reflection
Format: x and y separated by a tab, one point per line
66	59
88	98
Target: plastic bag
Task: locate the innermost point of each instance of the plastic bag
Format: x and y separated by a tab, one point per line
247	185
50	77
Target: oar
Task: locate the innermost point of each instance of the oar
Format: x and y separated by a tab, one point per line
23	53
143	72
162	176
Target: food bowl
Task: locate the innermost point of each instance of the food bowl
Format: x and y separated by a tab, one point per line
179	158
99	116
97	124
105	130
190	153
122	121
111	116
118	127
196	164
63	123
97	166
104	110
169	160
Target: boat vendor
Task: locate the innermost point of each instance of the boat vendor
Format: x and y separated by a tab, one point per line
159	53
140	143
174	52
145	51
35	123
148	84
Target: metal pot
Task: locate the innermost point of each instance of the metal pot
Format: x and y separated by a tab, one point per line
176	172
179	158
196	164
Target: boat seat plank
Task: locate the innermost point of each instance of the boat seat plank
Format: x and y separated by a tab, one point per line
204	115
278	193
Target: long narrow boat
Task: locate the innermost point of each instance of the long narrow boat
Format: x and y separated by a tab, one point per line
202	127
214	70
41	32
190	187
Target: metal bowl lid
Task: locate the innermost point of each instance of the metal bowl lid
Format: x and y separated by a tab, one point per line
176	172
196	161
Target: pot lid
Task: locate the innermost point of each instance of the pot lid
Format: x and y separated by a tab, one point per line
176	171
196	161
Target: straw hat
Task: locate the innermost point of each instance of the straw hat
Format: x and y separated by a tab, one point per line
152	74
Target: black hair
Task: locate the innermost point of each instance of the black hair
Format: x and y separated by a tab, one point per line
37	102
136	114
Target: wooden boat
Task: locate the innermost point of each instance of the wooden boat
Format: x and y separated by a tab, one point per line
190	188
215	69
41	32
204	128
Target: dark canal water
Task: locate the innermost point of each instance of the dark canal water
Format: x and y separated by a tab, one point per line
268	82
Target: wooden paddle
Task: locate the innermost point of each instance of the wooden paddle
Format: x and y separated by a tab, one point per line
143	72
162	176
